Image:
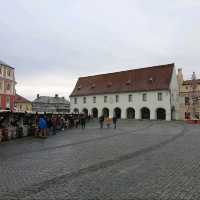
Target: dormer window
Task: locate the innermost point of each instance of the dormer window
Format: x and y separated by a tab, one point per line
128	82
79	87
151	79
109	84
93	86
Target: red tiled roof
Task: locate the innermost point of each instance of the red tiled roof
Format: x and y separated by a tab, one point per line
190	82
20	99
143	79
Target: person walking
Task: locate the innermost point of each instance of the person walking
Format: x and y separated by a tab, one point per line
83	121
115	121
101	120
42	126
54	124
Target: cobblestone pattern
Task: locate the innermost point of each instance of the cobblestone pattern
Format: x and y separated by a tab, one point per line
157	161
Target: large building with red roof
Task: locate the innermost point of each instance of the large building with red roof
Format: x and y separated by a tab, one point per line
7	86
144	93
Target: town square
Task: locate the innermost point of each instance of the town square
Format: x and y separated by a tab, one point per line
99	100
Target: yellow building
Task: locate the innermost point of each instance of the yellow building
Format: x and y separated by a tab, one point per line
189	101
22	104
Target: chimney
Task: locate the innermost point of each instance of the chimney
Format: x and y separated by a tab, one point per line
38	96
194	76
180	76
56	95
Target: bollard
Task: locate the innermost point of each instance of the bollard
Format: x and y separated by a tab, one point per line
1	135
5	134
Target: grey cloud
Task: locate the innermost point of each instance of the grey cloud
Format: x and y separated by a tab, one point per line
52	43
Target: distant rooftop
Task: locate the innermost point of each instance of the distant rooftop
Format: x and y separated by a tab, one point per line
190	82
3	63
20	99
51	100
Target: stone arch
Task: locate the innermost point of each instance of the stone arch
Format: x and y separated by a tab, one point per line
105	112
95	112
117	112
130	113
76	110
161	114
145	113
85	111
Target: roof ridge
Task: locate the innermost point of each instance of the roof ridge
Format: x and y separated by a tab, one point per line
111	73
22	98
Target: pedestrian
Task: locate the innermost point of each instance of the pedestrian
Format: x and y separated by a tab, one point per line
76	121
62	121
108	122
54	124
101	120
49	125
115	121
83	121
42	126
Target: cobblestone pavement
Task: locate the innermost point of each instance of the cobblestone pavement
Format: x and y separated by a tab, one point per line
140	160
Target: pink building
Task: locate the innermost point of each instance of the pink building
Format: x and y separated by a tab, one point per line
7	87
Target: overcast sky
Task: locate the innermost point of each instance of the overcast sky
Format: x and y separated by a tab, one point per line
53	42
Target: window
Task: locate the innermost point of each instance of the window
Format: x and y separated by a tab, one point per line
1	70
187	115
197	115
0	102
7	102
144	97
8	72
84	99
94	99
187	100
75	100
105	99
0	86
117	98
130	98
8	86
160	97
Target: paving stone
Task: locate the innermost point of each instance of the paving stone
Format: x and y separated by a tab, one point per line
139	160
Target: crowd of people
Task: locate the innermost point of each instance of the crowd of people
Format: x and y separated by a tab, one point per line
43	125
46	125
108	122
52	124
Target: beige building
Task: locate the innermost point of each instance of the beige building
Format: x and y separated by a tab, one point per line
189	102
22	104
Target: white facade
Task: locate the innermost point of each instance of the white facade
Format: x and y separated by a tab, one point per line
167	102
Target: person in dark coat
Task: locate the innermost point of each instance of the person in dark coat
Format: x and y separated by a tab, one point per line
54	124
101	121
42	124
83	121
115	121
